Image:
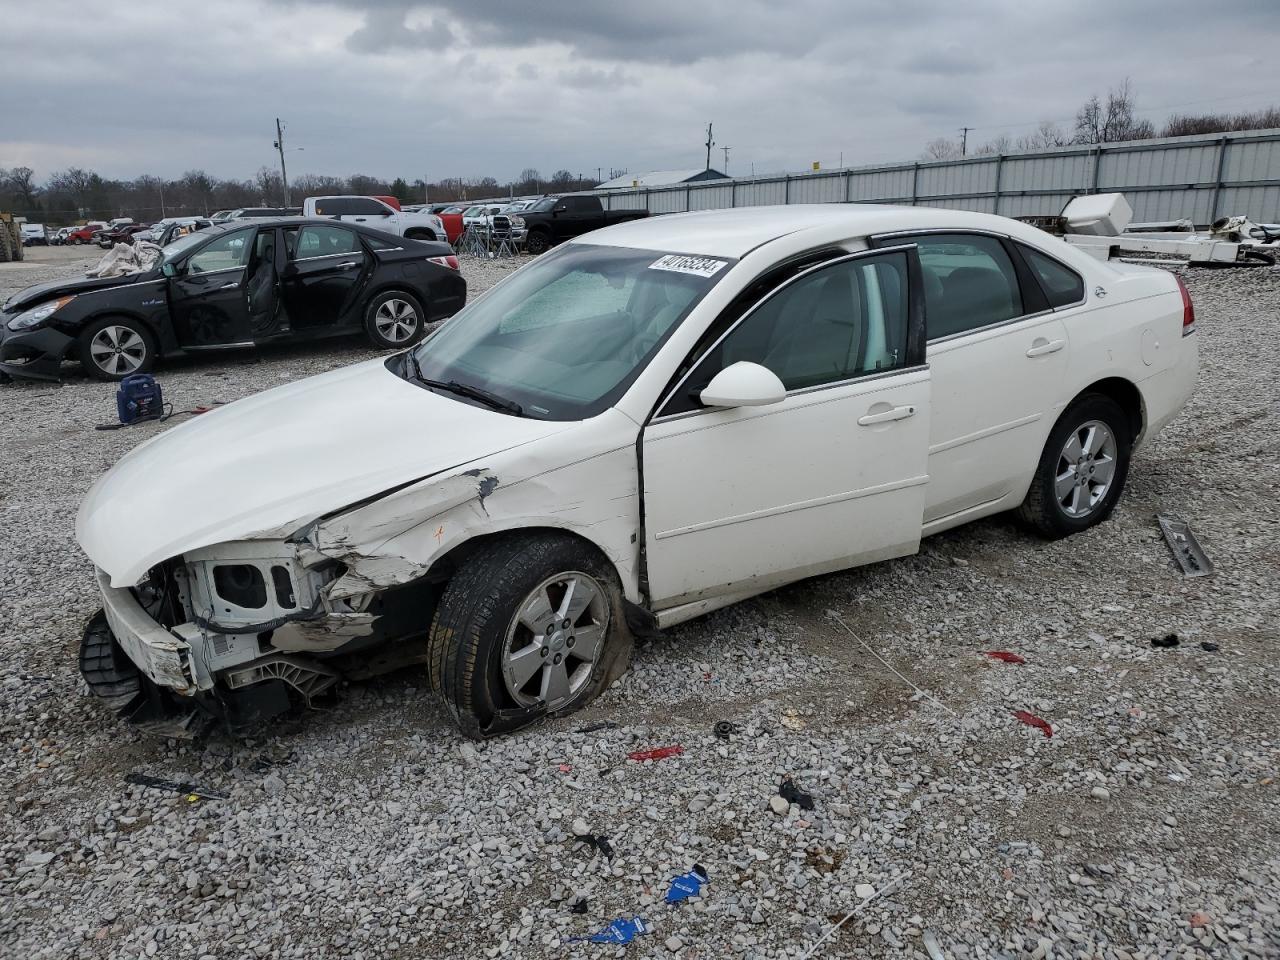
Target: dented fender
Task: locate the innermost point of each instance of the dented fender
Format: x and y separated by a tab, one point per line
398	538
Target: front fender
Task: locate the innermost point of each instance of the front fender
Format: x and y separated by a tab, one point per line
398	538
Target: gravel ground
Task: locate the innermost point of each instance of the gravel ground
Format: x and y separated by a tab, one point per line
1145	827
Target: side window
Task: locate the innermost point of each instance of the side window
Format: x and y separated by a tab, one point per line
224	253
969	282
333	207
835	323
577	204
315	241
367	207
1062	285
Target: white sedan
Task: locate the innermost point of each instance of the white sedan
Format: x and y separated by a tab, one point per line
650	422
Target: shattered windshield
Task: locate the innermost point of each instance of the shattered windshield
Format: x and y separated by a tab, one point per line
172	251
565	336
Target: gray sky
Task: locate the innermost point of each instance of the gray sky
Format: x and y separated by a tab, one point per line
487	87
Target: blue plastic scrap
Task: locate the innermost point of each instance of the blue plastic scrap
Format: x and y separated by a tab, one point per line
687	885
621	930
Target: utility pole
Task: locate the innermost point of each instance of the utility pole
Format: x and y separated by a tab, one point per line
284	176
726	159
710	143
162	213
964	139
598	172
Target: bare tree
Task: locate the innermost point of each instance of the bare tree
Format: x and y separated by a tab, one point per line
1047	135
22	182
941	149
1099	122
1181	126
1001	144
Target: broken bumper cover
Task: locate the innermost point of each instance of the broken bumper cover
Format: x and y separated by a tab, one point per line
32	354
162	657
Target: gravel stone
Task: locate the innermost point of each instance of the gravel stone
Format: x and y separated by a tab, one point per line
369	828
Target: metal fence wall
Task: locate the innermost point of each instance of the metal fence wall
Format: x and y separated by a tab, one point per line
1202	178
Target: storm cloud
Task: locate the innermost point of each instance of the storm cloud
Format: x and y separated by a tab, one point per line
488	87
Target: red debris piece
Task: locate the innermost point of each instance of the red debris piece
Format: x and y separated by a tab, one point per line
1004	655
564	768
1200	919
1031	720
659	753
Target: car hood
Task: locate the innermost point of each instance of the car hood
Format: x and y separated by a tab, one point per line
271	463
41	292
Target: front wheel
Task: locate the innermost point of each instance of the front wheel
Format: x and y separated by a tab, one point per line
114	347
538	242
1082	469
530	626
394	320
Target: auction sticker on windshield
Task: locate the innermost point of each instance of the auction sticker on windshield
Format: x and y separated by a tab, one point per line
698	266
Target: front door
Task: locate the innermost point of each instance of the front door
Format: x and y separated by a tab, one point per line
207	296
998	356
324	272
739	500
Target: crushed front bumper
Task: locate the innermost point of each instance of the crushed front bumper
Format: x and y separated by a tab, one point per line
32	354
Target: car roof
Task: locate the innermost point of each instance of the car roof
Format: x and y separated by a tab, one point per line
737	231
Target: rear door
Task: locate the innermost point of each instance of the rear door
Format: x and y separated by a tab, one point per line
998	355
207	297
575	216
738	500
325	269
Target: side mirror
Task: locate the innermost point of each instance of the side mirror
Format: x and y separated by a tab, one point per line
743	384
168	269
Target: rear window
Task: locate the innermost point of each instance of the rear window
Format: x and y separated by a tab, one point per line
1062	285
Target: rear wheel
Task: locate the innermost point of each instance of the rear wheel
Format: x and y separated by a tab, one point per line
395	320
530	626
114	347
1082	470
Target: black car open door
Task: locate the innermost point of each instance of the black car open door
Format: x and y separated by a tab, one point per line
325	271
206	294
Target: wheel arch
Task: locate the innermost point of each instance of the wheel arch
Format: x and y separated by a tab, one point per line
420	233
1126	394
444	566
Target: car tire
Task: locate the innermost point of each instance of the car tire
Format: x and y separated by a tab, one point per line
537	242
395	319
112	348
484	640
1082	470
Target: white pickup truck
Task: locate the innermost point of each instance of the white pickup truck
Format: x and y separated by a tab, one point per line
372	212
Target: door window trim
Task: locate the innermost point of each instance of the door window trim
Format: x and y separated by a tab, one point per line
1084	286
915	348
1025	275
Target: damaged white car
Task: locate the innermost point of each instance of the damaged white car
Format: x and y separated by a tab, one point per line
653	421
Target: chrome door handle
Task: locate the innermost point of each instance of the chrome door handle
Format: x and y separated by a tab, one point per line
1042	347
347	266
897	413
229	286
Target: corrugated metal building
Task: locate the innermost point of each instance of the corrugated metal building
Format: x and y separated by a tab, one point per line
1200	177
661	178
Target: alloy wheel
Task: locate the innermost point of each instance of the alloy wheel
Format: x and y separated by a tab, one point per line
1086	468
396	320
554	640
118	351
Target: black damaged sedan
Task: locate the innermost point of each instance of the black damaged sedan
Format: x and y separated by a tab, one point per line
235	286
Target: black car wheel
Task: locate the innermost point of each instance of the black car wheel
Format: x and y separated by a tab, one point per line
114	347
1082	469
538	242
394	320
530	626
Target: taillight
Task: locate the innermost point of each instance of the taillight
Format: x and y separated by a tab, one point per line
450	261
1188	310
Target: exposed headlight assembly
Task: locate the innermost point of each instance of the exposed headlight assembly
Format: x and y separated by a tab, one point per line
38	315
